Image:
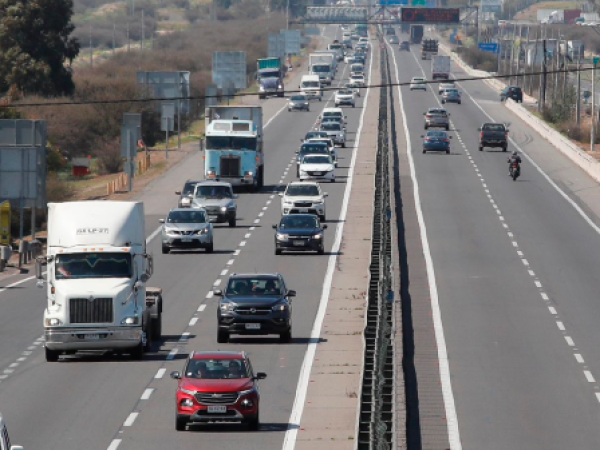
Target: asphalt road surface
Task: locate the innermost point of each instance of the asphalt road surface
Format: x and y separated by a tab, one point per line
516	271
95	402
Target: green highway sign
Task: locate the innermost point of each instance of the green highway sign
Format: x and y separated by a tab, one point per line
596	60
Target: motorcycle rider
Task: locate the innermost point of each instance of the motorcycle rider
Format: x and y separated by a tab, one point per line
514	158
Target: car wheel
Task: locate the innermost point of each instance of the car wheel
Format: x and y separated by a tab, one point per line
254	423
180	423
165	250
343	145
277	251
157	328
222	337
447	127
232	222
443	102
459	103
51	355
210	248
289	109
286	336
504	148
353	105
480	148
424	151
321	250
426	127
447	152
322	218
333	180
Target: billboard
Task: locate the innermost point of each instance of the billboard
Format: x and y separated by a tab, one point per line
336	14
230	66
292	40
490	47
430	15
169	85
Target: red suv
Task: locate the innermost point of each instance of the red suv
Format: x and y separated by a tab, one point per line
217	387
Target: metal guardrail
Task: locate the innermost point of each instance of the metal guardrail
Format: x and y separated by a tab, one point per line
376	421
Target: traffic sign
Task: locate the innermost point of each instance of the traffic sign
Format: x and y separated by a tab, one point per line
490	47
596	60
430	15
419	3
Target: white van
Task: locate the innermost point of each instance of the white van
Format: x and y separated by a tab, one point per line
4	440
311	86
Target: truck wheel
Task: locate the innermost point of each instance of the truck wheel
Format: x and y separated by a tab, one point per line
210	248
232	222
222	337
261	177
180	423
157	328
165	250
51	355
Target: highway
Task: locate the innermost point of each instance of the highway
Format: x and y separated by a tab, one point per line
515	276
102	402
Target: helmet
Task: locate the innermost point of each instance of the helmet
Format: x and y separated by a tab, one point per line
515	153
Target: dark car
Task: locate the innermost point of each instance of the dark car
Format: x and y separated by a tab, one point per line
493	135
255	304
299	232
436	141
314	134
405	45
308	148
512	92
217	387
186	194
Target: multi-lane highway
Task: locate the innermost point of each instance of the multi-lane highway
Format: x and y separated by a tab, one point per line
513	275
95	403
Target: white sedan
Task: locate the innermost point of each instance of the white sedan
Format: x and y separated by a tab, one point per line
418	83
358	79
317	167
345	97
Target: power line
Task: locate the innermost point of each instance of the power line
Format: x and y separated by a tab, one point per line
327	89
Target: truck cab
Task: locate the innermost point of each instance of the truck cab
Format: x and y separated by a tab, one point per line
233	146
269	75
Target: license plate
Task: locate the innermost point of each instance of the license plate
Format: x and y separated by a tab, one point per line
92	337
217	409
317	173
303	210
253	326
186	239
299	243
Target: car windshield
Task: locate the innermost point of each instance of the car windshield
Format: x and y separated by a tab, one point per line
320	69
356	77
253	286
298	222
418	80
437	112
313	148
310	84
93	265
304	190
190	216
331	126
274	73
227	143
298	98
213	192
317	159
345	92
493	127
327	142
436	134
217	369
314	134
330	114
451	91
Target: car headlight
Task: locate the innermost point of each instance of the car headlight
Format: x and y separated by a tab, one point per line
227	307
223	208
187	402
53	322
135	320
186	201
185	391
318	236
280	87
261	88
280	307
203	231
282	237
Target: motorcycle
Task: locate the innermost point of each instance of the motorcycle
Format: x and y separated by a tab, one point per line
514	170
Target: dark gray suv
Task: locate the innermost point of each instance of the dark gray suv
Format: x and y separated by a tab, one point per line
255	304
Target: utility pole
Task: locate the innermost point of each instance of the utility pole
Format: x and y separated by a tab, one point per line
91	51
578	104
114	37
544	77
143	34
593	132
287	15
128	39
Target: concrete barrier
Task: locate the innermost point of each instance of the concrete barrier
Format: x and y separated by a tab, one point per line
564	145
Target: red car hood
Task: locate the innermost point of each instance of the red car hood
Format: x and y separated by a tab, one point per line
221	386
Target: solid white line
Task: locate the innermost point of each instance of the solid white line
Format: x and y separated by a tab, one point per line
294	421
589	376
444	363
131	419
202	308
570	341
147	393
193	321
153	235
274	115
544	296
552	310
160	373
561	326
16	283
114	444
579	358
172	353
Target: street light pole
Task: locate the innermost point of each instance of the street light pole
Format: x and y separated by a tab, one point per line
287	15
593	132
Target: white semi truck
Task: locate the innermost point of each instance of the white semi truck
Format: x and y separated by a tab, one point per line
96	273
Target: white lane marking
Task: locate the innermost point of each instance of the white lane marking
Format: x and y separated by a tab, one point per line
504	225
274	115
560	325
247	235
193	321
210	294
160	373
589	376
236	253
252	228
272	196
131	419
32	347
153	235
21	359
268	202
230	262
520	253
242	244
217	282
13	365
256	220
184	336
147	393
552	310
579	358
114	444
570	341
444	363
538	284
260	214
531	272
265	208
544	296
172	353
8	371
514	243
291	433
525	262
202	308
16	283
26	353
224	272
3	377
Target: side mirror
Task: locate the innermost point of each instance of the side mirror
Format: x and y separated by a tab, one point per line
274	227
324	226
177	192
424	113
297	151
507	130
161	220
218	292
291	293
260	376
176	375
325	194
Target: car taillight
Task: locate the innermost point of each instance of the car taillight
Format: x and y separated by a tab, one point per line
447	140
428	116
481	135
427	140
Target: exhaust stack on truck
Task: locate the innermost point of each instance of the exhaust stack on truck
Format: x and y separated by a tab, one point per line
97	269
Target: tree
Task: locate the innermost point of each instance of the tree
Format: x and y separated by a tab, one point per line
35	46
